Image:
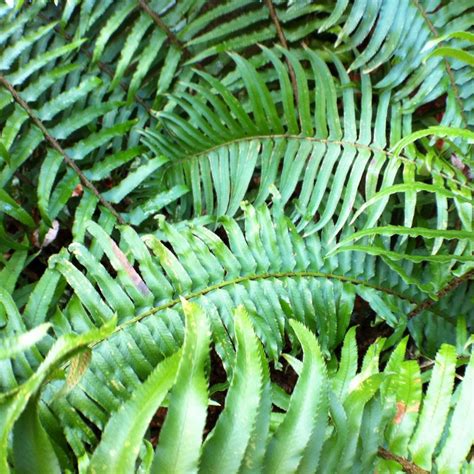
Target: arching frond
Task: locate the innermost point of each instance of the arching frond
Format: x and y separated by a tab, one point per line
273	279
317	428
325	163
402	34
199	199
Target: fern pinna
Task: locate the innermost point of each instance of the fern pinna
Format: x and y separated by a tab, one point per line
236	236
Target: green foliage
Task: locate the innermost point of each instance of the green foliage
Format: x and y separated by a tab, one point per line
319	417
200	200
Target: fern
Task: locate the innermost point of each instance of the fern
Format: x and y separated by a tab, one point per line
199	203
404	32
313	407
214	164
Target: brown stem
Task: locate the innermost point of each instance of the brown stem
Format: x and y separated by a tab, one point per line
446	62
407	466
452	285
54	144
163	26
284	43
102	66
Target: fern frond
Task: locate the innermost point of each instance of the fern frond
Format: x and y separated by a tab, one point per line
236	424
338	421
254	270
319	162
181	435
401	35
292	439
197	201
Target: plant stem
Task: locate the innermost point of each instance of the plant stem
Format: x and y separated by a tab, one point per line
407	466
284	43
163	26
452	285
54	144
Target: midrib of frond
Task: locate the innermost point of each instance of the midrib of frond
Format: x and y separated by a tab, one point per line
449	71
257	277
325	141
102	66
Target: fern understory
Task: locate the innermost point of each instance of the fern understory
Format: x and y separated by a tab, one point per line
236	237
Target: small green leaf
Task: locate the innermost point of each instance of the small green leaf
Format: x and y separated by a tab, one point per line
288	446
461	427
32	448
179	447
456	53
439	131
120	443
435	408
225	447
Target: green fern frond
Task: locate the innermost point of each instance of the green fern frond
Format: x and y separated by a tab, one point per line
290	447
402	34
201	201
255	270
317	159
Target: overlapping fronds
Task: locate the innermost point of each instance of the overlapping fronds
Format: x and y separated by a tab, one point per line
274	279
402	34
192	192
341	420
66	77
266	268
329	164
93	81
